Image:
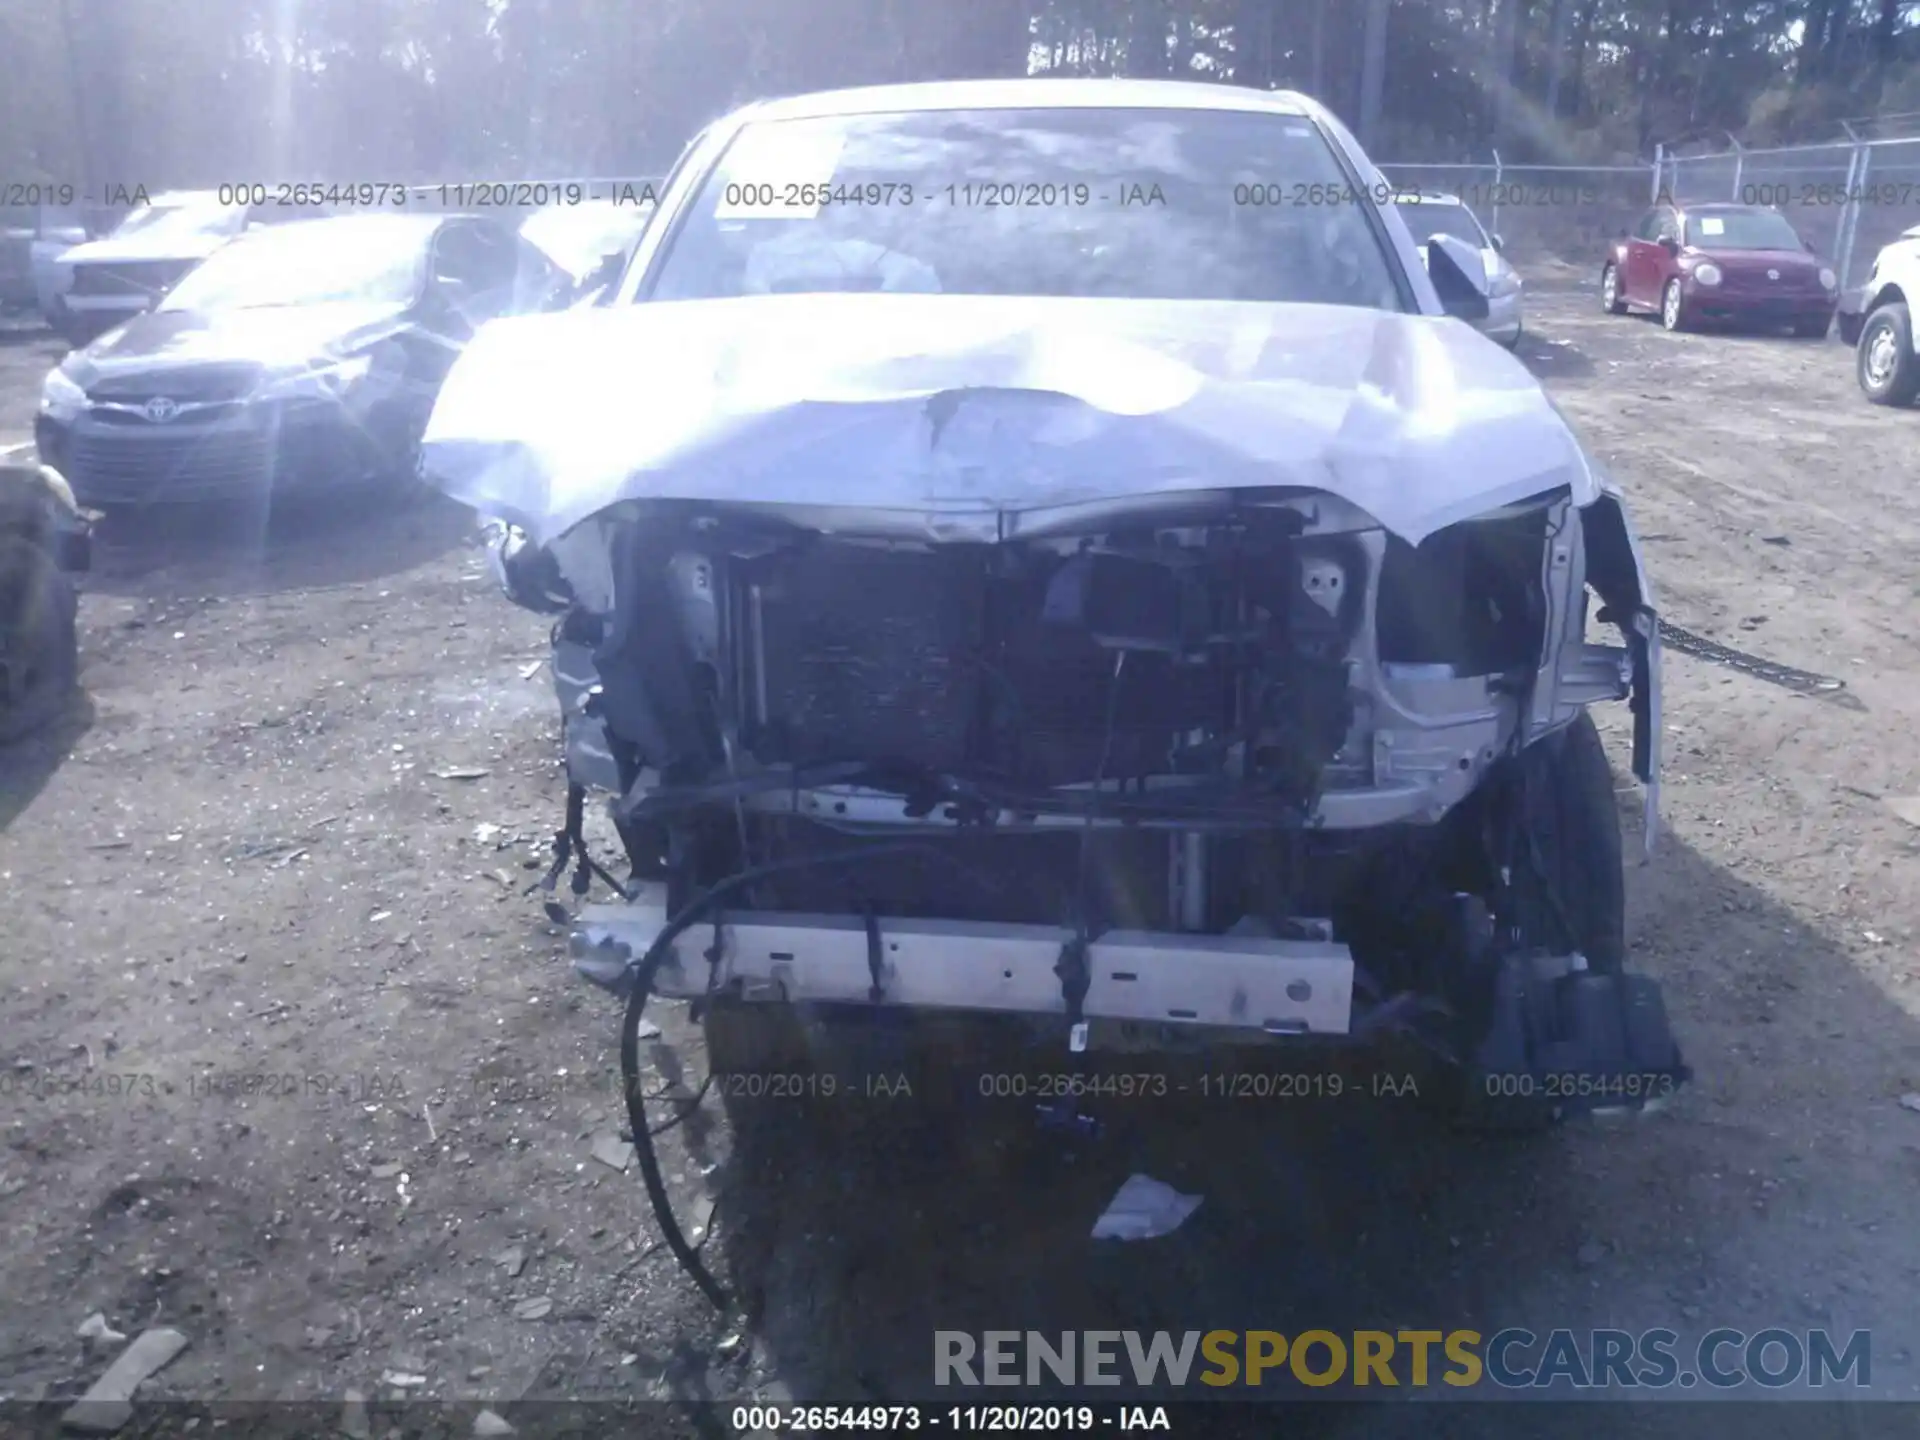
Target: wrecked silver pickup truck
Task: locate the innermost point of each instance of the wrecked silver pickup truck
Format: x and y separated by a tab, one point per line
1133	601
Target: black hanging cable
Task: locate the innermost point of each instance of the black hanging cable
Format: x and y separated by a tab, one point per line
643	975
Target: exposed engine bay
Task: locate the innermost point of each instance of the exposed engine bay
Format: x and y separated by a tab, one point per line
1148	672
1280	663
1246	761
1207	694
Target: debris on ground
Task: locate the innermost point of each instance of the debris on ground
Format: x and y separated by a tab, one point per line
537	1308
488	1423
95	1330
513	1260
108	1403
1910	1101
353	1417
610	1150
402	1379
1144	1209
463	773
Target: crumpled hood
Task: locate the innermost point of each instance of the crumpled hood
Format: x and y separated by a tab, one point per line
962	415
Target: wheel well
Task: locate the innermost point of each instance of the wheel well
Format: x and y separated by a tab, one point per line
1887	295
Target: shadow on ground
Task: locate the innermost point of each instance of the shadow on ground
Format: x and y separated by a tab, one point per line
27	764
850	1233
1553	359
235	550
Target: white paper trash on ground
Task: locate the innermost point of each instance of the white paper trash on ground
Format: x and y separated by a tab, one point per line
1143	1209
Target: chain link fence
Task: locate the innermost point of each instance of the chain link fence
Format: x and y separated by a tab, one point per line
1563	212
1847	198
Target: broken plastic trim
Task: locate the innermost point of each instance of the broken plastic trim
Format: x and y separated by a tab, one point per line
1567	1041
1644	701
1801	682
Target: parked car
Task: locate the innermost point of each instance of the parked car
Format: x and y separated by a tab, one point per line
1742	263
45	540
1876	318
1433	212
114	278
1165	630
30	235
60	232
590	241
298	357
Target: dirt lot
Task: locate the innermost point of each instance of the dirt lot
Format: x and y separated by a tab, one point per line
244	858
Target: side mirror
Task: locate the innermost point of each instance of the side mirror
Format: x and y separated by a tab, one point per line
607	273
1459	275
1623	234
1499	244
1670	244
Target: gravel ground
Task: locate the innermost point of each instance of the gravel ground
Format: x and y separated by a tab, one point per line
285	837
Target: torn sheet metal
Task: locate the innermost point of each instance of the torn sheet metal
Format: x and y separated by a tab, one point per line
961	416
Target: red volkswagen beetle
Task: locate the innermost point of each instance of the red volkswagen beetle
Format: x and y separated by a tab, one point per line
1691	263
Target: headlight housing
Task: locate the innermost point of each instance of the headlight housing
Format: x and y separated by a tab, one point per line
1828	280
61	399
1706	273
319	382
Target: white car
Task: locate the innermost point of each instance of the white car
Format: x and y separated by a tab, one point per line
126	272
995	576
1877	320
1433	212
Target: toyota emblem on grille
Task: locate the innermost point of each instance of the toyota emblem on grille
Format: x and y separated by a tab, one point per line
1773	274
160	409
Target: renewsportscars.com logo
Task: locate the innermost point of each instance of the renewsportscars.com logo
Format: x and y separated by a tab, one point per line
1512	1359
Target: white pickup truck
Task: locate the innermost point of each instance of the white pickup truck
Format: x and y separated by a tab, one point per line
1877	320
